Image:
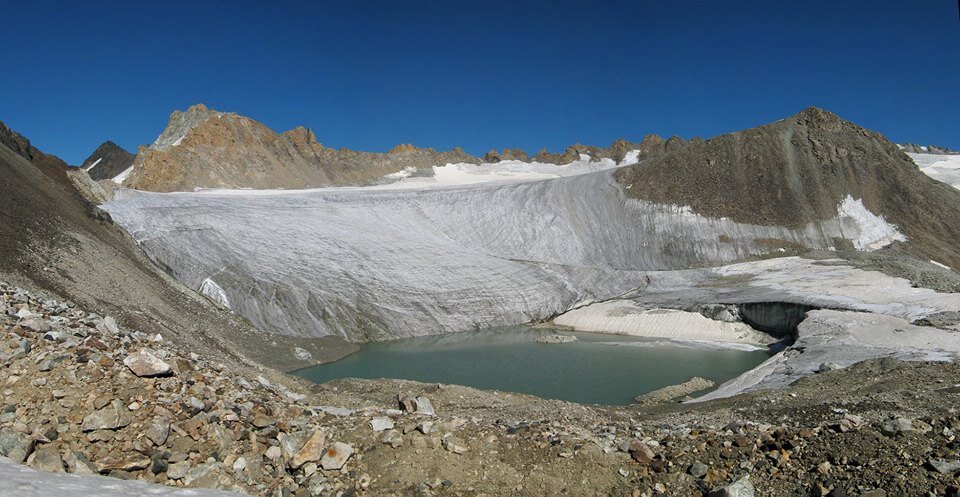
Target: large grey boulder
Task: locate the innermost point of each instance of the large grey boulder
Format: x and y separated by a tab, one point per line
15	445
111	417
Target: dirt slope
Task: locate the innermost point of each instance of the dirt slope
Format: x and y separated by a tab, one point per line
798	170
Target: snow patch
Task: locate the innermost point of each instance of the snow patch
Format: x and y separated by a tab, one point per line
212	290
118	179
944	266
91	166
508	171
874	231
399	175
632	157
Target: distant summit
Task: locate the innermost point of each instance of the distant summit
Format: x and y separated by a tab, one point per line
205	148
108	161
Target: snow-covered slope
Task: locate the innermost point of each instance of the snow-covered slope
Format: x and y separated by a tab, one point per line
941	167
393	261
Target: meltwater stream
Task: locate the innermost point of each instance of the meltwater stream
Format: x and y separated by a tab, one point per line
595	369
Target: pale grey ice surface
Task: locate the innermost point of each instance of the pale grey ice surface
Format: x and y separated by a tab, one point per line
20	480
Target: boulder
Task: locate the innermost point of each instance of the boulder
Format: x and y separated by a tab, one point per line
15	445
739	488
36	324
896	426
312	450
146	365
159	430
47	458
944	466
381	423
178	470
336	456
111	417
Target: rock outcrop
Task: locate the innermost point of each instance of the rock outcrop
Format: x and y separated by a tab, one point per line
204	148
51	165
798	171
108	161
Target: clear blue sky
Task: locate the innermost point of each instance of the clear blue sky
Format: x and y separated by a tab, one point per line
480	74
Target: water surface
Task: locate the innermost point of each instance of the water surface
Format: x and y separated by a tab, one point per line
596	369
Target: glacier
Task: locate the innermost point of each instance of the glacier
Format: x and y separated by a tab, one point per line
470	247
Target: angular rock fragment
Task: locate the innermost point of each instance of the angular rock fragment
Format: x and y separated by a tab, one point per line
36	324
417	405
381	423
896	426
740	488
336	456
944	466
454	445
641	452
178	470
392	438
110	417
78	463
15	445
146	365
312	450
47	458
159	430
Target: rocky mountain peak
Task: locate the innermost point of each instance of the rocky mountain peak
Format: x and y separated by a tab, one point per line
182	123
815	116
403	148
107	161
301	134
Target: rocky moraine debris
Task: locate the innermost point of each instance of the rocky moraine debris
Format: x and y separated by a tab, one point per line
83	395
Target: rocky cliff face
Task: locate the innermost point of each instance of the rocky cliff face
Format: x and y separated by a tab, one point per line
108	161
798	171
204	148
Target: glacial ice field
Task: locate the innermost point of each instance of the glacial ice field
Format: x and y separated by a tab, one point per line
468	248
943	168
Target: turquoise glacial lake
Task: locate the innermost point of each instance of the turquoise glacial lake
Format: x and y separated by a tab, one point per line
595	369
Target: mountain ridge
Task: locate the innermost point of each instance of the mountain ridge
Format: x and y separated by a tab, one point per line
205	148
798	170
